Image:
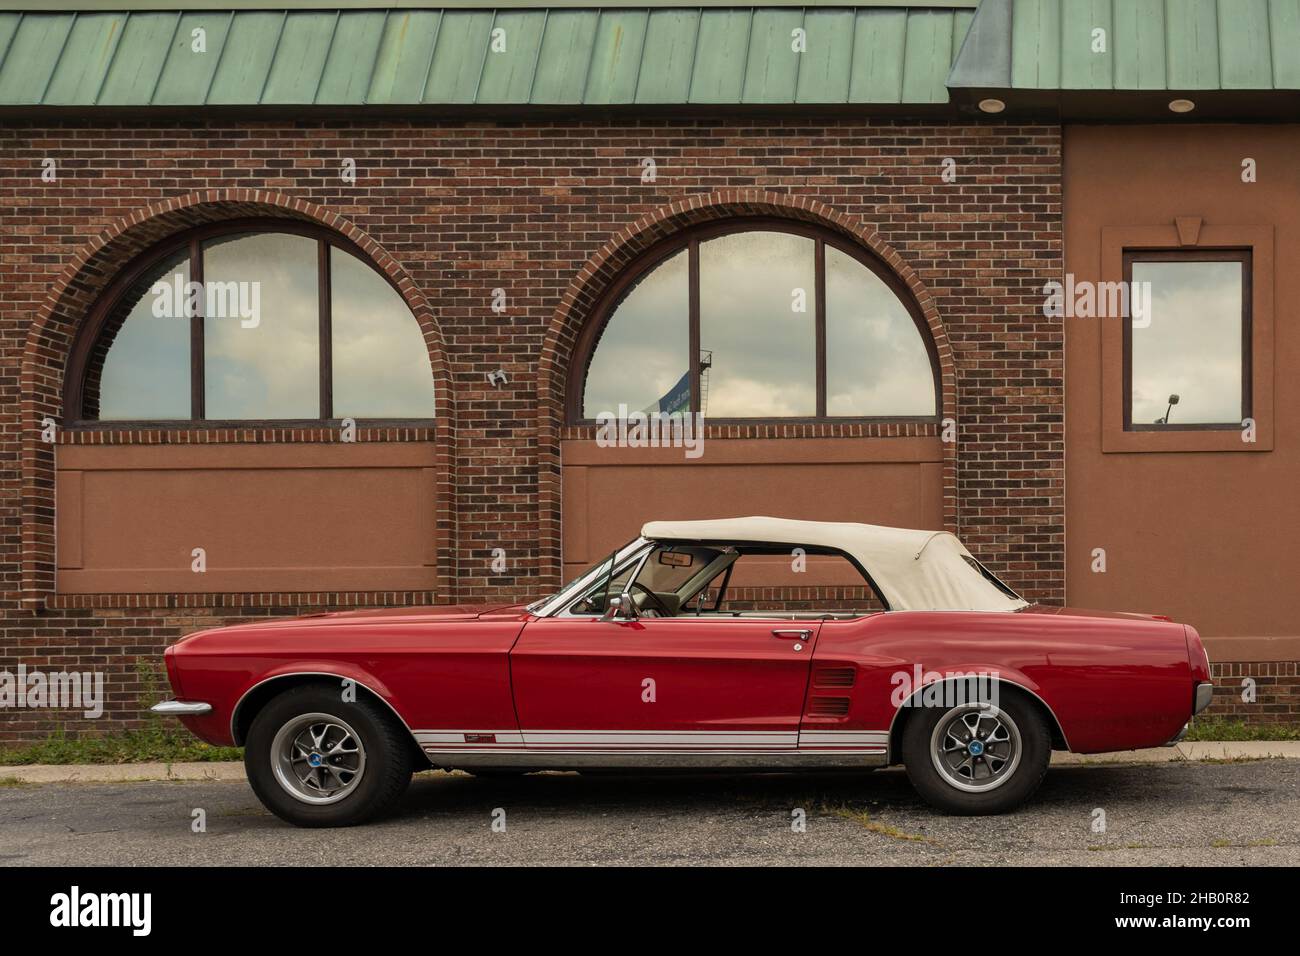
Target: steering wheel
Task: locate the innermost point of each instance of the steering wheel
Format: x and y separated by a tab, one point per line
658	602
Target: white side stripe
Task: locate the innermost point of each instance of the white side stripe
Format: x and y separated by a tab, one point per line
869	741
668	740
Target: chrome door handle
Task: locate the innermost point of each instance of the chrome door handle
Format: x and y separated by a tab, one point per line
793	634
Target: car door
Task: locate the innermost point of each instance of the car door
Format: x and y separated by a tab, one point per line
726	684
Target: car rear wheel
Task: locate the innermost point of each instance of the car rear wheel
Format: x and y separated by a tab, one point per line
977	758
316	760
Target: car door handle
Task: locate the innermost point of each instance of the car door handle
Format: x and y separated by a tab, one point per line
792	634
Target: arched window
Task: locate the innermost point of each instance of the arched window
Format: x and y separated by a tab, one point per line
757	319
251	321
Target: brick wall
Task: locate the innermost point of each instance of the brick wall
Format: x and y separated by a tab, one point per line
1276	688
452	212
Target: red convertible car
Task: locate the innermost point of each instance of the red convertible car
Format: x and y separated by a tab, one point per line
642	663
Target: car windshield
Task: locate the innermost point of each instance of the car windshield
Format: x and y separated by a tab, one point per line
598	572
668	577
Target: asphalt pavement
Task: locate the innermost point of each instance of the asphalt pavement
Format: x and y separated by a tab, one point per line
1233	813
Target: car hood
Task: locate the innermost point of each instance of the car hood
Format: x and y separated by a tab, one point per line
433	614
441	612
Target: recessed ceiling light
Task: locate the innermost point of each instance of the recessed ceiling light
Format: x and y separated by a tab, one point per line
992	106
1182	106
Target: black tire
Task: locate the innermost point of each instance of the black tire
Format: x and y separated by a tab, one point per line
1023	777
385	772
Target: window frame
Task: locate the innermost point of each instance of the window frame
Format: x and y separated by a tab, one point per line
1192	255
1183	232
83	353
689	239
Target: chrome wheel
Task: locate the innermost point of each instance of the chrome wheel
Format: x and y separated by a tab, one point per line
975	747
318	758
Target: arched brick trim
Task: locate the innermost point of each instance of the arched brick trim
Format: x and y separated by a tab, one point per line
626	245
89	271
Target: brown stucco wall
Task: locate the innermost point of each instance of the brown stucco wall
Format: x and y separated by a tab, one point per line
1206	536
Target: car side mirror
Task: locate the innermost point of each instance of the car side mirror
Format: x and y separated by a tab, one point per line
621	607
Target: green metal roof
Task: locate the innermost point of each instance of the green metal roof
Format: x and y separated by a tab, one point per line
101	6
357	55
1150	45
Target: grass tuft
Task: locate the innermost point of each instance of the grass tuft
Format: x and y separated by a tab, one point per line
1222	728
161	741
1115	846
1222	844
863	819
154	744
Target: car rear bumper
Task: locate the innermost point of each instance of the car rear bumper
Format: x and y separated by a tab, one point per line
1204	694
1178	736
1201	698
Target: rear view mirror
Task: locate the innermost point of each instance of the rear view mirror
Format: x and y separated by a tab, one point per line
676	559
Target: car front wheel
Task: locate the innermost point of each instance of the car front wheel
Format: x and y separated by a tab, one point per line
976	758
315	760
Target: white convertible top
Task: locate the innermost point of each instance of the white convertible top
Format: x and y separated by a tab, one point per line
912	570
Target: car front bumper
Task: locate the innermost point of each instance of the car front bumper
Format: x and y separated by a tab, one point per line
178	708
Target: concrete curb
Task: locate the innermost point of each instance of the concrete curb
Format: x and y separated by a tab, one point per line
1201	750
123	772
229	771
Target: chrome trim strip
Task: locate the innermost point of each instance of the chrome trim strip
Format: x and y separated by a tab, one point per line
649	760
671	740
177	708
843	738
234	714
642	743
668	741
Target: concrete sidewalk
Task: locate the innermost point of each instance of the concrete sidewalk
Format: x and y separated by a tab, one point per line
126	773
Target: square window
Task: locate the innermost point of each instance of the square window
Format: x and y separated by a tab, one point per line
1187	340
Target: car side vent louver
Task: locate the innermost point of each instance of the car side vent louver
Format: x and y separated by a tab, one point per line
834	676
828	707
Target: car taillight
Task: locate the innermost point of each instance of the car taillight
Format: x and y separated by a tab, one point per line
1196	655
